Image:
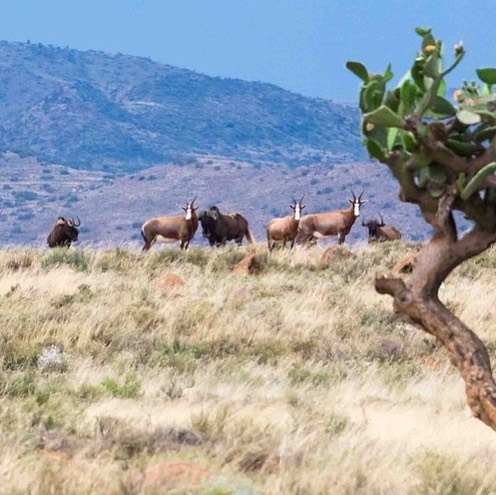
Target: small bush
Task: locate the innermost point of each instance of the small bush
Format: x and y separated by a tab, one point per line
127	390
62	256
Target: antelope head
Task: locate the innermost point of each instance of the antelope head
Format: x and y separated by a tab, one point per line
297	208
190	209
357	202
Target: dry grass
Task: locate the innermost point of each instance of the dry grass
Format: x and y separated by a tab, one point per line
170	373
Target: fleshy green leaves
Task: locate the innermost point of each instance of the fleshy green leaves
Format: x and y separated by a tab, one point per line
431	177
487	75
422	31
414	129
442	107
476	181
467	117
371	95
384	116
374	149
359	70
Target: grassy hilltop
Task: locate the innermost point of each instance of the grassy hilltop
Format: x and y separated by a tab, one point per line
170	373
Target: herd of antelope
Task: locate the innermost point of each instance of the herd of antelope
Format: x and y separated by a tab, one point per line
219	227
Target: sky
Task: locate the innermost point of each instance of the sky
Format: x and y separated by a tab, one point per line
299	45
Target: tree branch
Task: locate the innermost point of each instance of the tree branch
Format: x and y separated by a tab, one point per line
385	285
432	138
481	161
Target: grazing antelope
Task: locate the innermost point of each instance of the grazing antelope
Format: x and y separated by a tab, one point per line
222	227
285	229
379	232
171	229
336	222
64	232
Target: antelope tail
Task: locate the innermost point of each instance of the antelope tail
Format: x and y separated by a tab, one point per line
249	236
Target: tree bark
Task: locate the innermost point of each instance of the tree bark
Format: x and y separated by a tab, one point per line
417	302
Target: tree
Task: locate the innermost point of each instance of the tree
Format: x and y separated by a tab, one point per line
443	157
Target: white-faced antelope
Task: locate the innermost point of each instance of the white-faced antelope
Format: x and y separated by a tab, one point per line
336	222
380	232
64	232
284	230
179	228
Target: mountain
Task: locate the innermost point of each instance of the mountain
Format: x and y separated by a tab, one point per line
119	113
116	139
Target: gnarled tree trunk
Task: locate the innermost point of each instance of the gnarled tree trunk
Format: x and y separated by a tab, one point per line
417	302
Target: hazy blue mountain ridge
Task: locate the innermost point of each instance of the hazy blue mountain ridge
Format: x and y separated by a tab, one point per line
93	110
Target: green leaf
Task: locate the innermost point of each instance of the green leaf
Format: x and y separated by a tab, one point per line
487	75
410	142
391	137
437	174
388	75
461	182
477	180
417	72
441	91
371	95
375	150
392	99
422	31
431	66
462	148
442	106
384	116
435	191
408	93
468	118
359	70
486	116
486	133
422	174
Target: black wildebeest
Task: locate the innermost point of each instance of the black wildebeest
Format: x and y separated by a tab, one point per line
222	227
380	232
64	232
336	222
179	228
285	229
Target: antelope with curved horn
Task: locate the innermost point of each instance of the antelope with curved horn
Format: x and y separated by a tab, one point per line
380	232
179	228
284	230
64	232
336	222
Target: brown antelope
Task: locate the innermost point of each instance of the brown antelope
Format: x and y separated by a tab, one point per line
336	222
171	229
64	232
285	229
379	232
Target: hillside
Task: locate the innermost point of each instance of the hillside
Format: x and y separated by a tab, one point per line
120	113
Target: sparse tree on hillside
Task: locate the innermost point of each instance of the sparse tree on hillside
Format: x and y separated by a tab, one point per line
443	157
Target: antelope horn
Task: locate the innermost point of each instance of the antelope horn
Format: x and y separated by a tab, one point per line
382	220
78	222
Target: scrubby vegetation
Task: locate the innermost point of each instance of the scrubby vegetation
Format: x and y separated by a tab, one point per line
170	373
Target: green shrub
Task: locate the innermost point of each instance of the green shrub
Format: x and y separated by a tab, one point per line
61	256
127	390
